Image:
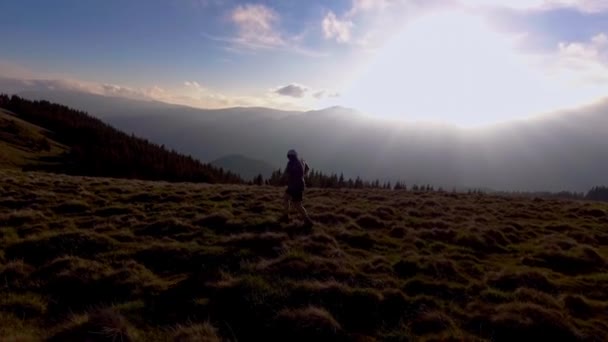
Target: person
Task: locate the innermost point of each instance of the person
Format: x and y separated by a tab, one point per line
295	171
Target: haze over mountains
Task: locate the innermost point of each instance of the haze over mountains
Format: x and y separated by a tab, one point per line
561	151
246	167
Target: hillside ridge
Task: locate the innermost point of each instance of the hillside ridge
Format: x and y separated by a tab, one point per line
95	148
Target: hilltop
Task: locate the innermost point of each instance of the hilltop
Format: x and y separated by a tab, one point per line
130	260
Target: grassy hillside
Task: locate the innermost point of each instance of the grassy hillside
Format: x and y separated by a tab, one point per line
96	149
147	261
23	144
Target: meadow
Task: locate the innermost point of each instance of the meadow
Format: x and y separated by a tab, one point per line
102	259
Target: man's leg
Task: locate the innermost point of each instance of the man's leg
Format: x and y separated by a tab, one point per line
303	212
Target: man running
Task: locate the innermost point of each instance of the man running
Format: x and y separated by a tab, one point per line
294	172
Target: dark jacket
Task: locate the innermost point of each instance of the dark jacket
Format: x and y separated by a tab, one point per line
295	171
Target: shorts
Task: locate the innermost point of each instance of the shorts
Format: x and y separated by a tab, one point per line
295	194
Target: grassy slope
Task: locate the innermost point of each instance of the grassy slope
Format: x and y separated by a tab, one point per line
18	148
158	261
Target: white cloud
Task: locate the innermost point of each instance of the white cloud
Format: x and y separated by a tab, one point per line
293	90
16	85
257	26
360	6
595	49
585	62
368	24
192	84
376	20
15	79
334	28
589	6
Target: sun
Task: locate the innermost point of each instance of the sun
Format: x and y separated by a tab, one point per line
449	67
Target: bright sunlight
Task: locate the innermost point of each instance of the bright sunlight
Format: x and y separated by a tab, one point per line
451	67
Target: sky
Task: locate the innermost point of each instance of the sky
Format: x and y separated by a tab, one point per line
465	62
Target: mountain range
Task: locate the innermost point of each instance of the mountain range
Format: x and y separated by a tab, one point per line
553	152
246	167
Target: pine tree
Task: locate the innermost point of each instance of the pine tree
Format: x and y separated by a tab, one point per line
341	182
258	180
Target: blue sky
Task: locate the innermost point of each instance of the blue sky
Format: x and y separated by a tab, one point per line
442	60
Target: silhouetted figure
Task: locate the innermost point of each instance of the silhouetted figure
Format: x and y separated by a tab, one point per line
295	171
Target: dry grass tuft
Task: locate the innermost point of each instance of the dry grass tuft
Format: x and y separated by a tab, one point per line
203	332
308	324
100	325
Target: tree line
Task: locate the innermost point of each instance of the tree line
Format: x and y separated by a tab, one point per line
318	179
98	149
598	193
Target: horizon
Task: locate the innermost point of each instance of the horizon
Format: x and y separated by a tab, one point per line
464	63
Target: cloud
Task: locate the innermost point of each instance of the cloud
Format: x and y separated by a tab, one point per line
334	28
368	24
16	85
192	84
585	61
293	90
595	49
588	6
15	79
257	26
325	94
298	91
190	93
360	6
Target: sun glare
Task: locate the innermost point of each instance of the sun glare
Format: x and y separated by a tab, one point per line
451	67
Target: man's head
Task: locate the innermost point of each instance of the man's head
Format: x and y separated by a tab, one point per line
292	155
